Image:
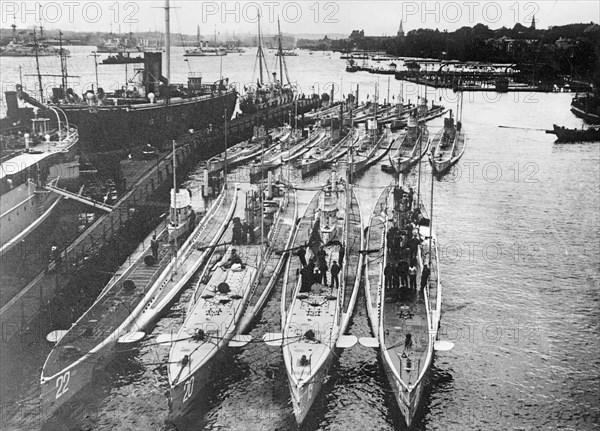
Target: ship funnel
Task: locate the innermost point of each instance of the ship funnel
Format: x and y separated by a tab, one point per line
12	104
152	72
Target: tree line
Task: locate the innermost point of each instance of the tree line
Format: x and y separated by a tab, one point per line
528	48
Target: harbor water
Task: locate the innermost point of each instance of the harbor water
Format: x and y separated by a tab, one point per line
517	221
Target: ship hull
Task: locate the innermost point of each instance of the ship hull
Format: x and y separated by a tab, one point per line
403	165
408	401
204	54
57	392
24	208
303	397
110	128
440	158
406	364
248	107
441	168
576	135
184	393
117	50
25	216
587	108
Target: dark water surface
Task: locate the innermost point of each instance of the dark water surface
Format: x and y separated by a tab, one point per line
518	227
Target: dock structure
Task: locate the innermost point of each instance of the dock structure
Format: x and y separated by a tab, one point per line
500	78
446	78
140	180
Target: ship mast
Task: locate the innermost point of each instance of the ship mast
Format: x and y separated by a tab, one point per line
282	63
37	65
167	42
419	174
176	211
374	132
262	205
431	217
63	72
280	53
259	52
225	131
95	55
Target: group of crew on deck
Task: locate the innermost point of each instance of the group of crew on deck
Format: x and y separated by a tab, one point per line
403	245
314	272
403	275
243	232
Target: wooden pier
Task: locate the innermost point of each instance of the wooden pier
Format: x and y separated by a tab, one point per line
500	82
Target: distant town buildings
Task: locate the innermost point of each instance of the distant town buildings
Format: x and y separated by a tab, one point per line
357	34
565	43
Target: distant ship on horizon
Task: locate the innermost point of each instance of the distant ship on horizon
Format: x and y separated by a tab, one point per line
18	47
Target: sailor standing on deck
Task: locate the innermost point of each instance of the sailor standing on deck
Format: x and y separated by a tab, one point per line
396	277
302	255
413	245
403	270
412	273
341	253
244	235
236	236
154	247
192	222
388	273
425	276
322	265
335	270
306	275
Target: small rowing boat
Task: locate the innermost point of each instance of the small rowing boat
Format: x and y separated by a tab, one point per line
590	134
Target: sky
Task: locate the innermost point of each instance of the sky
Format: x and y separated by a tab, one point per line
376	18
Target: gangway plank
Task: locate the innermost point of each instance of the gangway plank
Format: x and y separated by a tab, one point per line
79	198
